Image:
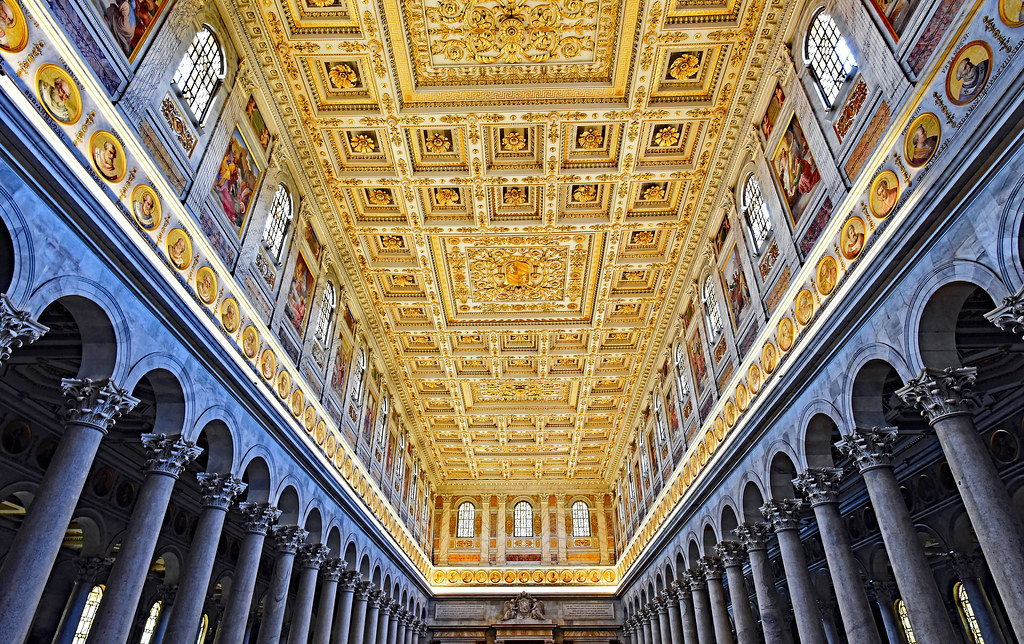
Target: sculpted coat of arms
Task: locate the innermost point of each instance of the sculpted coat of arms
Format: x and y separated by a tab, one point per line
523	606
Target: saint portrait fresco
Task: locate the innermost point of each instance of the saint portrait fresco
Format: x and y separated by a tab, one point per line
885	192
296	307
785	334
341	359
179	249
736	291
229	316
771	113
853	237
58	94
130	22
259	126
795	169
146	207
921	139
368	417
237	178
107	156
13	28
969	72
828	274
250	342
700	368
804	307
1012	12
268	364
895	14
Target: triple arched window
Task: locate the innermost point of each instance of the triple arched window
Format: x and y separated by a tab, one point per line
278	221
755	211
829	56
92	604
200	72
580	519
328	305
712	313
466	527
522	516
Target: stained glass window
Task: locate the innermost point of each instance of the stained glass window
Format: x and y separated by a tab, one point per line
967	615
904	617
467	518
278	220
523	515
756	212
199	73
204	627
92	604
830	57
580	519
712	314
151	620
328	304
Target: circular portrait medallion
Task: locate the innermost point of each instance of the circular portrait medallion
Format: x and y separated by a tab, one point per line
785	333
332	446
206	285
828	274
755	378
804	307
321	433
851	241
250	342
179	249
702	454
769	358
969	72
1012	12
107	156
229	315
712	440
13	27
58	94
719	427
268	364
922	139
284	384
730	413
296	403
885	192
146	207
309	418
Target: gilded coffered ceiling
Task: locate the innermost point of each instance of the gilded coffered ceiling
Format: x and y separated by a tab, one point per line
518	188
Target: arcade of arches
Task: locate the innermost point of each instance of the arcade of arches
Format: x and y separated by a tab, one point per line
511	321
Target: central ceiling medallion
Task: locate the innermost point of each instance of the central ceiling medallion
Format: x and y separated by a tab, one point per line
518	275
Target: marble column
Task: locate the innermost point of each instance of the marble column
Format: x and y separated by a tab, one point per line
219	491
374	600
444	531
647	621
686	616
17	328
885	596
701	609
713	571
675	623
392	633
752	536
944	398
166	595
310	557
500	530
733	556
871	450
346	585
398	626
330	573
820	486
784	518
256	520
545	530
661	608
288	539
829	616
90	571
968	567
165	460
627	631
91	407
357	620
560	531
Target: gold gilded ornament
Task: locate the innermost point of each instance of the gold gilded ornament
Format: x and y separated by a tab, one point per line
514	141
583	194
642	237
590	139
653	193
684	67
392	242
446	196
666	136
437	142
380	197
342	76
514	196
362	144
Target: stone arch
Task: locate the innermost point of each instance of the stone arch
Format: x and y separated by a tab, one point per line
820	431
94	532
334	541
753	499
289	504
709	539
781	472
314	525
680	564
1010	247
256	474
350	555
364	566
162	376
15	243
218	444
728	522
171	564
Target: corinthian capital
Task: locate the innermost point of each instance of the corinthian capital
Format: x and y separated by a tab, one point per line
732	553
16	328
681	589
869	448
940	393
363	589
753	536
168	455
695	579
1009	316
97	403
820	484
783	514
257	517
92	569
312	555
219	490
288	538
348	579
711	567
332	569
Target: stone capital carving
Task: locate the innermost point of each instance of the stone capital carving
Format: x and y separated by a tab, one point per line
660	604
288	538
16	328
1010	315
885	591
219	490
681	589
362	589
965	565
348	579
166	594
869	448
375	598
941	393
783	514
819	484
672	592
712	568
312	555
96	403
732	553
258	517
695	579
90	570
753	536
169	456
332	569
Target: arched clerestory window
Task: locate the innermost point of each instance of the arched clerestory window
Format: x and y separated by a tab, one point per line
580	519
755	212
829	56
967	615
200	72
712	313
523	520
466	528
278	221
92	604
904	617
151	620
328	305
204	629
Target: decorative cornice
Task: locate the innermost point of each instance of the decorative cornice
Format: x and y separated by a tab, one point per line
219	490
869	448
783	514
96	403
941	393
819	485
258	517
168	456
16	328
